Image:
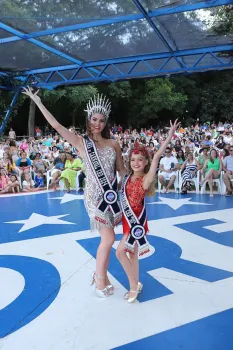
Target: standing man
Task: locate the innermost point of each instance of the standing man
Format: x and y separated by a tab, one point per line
12	134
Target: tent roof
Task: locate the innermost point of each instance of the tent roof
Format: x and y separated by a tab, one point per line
59	42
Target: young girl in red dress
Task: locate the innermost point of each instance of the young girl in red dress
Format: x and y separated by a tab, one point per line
135	187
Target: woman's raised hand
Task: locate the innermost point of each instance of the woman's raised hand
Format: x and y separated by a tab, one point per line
33	95
174	126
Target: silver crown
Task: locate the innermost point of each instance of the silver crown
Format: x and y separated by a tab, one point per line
99	104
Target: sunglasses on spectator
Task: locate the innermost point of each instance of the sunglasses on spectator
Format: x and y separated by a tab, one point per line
167	152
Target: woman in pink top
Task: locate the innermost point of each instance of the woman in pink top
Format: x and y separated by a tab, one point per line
24	146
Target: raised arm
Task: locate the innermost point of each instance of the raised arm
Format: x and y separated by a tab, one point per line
150	176
119	162
75	140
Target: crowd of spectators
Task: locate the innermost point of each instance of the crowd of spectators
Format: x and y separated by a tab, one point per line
204	150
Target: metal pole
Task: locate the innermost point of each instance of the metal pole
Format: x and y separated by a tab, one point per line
9	111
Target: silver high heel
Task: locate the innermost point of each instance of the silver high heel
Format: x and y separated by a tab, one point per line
139	289
102	293
132	299
110	287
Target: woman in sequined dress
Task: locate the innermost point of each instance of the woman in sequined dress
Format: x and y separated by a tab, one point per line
110	156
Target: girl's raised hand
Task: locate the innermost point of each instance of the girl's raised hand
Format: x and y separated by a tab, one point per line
173	127
29	92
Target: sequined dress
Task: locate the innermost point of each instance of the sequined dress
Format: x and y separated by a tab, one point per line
135	194
93	193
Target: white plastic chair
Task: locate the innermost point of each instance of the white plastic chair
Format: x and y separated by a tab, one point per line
49	177
176	183
223	184
62	184
77	182
194	180
216	182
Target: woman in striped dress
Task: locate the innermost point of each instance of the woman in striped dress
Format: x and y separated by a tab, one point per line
189	168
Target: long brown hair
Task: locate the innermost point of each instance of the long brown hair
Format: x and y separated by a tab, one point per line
105	132
211	158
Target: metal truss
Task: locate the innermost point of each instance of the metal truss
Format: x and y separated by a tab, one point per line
135	67
120	68
190	6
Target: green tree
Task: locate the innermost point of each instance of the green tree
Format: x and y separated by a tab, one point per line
74	98
153	98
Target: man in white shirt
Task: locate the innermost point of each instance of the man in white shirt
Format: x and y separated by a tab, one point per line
12	134
168	168
228	138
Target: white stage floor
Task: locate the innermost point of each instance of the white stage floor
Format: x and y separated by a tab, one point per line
47	254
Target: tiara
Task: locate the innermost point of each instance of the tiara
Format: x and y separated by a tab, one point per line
99	104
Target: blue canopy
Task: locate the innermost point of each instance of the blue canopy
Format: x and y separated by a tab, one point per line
60	42
74	42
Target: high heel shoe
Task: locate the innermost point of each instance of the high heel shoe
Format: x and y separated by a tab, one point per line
140	286
110	289
102	293
132	299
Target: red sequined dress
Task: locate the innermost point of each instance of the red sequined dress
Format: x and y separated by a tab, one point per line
135	195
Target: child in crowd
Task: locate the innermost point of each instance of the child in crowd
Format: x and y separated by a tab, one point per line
135	187
3	181
39	180
13	184
28	184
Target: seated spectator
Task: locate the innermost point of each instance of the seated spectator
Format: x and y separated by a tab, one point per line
40	164
203	156
59	166
211	170
228	138
196	141
186	152
69	175
190	144
151	149
24	146
13	184
168	167
220	144
227	147
180	158
177	146
11	167
55	152
24	164
33	150
228	172
208	143
28	184
189	171
3	181
225	153
39	179
44	150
